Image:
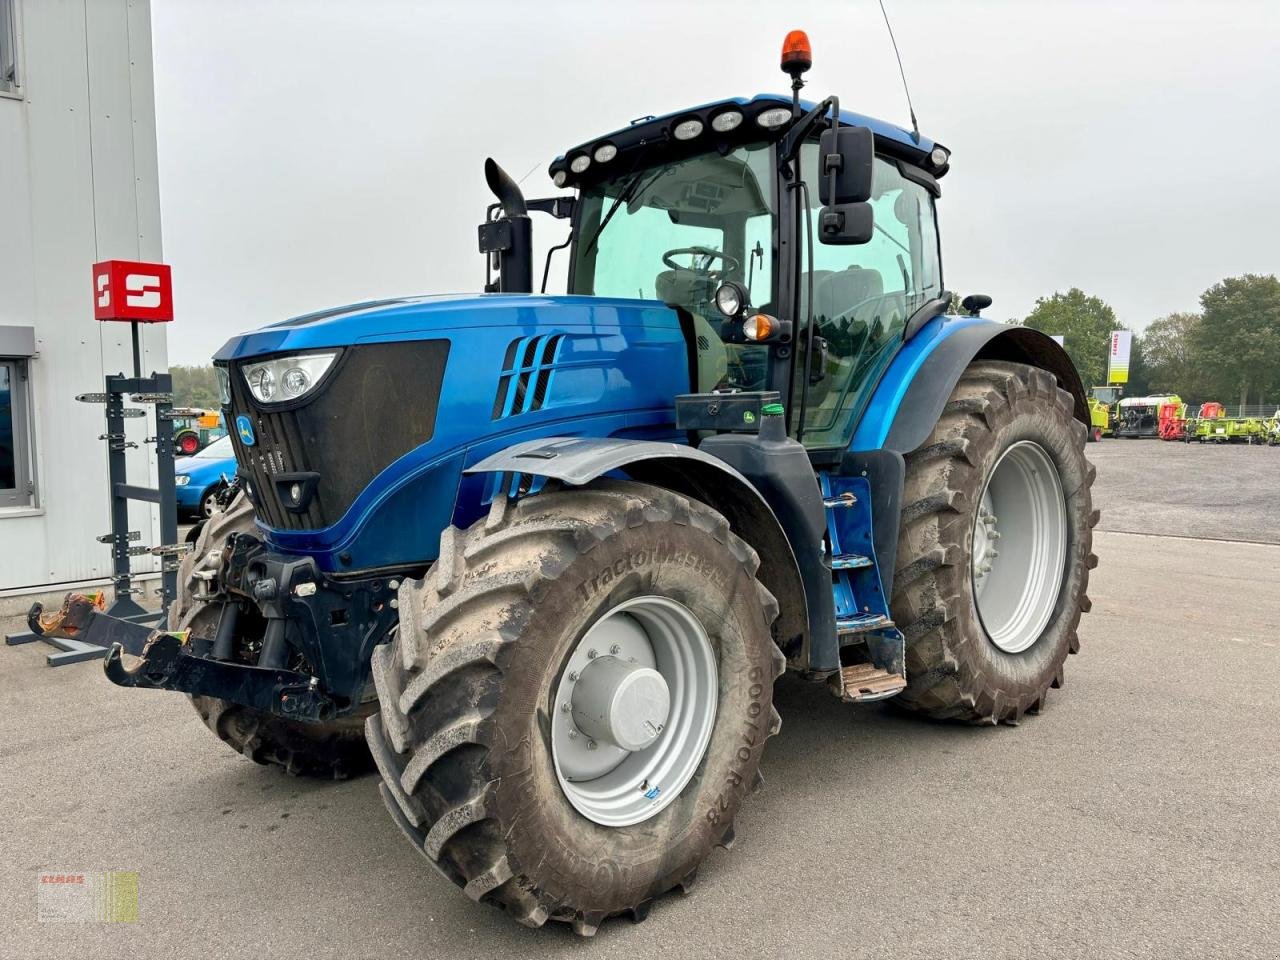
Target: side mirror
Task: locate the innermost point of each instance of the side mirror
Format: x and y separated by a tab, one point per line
846	157
846	224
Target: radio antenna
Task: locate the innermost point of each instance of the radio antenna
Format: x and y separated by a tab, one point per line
915	127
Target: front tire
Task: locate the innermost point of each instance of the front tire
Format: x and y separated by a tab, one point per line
1006	425
471	689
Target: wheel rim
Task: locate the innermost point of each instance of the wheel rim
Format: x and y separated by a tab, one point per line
1019	549
634	711
210	504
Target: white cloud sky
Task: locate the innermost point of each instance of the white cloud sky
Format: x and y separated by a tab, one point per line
317	153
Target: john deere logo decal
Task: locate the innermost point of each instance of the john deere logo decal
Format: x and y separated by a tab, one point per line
245	429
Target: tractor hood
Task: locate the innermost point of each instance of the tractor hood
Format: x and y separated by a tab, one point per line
416	318
365	466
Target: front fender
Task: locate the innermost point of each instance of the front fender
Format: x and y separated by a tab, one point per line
686	470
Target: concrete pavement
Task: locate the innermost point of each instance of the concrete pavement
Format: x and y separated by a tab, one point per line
1135	818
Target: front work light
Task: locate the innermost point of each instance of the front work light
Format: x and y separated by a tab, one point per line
282	379
724	122
580	163
687	129
731	298
605	152
774	117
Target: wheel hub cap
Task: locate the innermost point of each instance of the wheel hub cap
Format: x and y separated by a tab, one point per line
621	703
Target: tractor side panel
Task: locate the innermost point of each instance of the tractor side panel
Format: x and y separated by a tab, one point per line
518	368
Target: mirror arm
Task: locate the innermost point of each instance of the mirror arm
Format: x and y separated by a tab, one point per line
800	129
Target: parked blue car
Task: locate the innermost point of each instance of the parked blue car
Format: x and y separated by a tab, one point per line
199	477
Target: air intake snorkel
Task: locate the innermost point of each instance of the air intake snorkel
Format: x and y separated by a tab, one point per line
509	237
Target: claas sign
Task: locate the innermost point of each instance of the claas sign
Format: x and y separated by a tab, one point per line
127	290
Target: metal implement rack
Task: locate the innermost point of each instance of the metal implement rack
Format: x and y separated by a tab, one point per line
155	391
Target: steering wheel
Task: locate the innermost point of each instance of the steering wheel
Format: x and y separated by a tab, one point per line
728	263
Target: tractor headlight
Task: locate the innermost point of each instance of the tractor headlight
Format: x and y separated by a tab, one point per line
580	163
181	480
939	156
605	152
224	384
731	298
282	379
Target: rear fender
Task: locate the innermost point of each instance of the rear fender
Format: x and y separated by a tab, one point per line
685	470
910	397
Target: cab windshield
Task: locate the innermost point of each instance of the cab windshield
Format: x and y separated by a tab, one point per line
674	233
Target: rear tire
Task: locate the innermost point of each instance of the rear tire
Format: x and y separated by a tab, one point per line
333	750
467	691
955	670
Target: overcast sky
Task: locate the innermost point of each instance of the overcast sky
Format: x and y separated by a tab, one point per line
317	153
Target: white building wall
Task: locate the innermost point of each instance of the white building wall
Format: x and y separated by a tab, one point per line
78	184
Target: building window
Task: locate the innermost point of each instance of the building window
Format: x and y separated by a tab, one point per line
10	82
17	479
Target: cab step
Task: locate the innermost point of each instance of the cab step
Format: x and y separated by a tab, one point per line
851	561
862	623
865	683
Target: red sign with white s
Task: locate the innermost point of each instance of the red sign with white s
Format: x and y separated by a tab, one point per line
127	290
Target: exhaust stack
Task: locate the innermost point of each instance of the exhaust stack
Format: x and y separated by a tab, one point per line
510	236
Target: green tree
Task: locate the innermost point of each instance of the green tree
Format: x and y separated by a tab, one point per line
195	387
1085	323
1238	341
1173	365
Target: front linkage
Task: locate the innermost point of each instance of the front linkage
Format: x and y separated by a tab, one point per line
280	604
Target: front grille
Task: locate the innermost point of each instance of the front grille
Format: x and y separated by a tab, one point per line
378	404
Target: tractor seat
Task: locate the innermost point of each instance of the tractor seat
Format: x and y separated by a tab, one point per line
840	294
689	288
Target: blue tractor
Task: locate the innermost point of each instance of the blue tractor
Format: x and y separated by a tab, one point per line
541	558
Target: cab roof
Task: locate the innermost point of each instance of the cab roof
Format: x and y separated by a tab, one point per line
648	140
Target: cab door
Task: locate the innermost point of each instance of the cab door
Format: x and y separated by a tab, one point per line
862	298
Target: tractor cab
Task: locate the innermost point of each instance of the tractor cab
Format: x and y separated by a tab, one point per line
796	242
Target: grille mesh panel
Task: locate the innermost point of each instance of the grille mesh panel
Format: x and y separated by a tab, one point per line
379	404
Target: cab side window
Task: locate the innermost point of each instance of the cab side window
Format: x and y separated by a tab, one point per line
863	296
